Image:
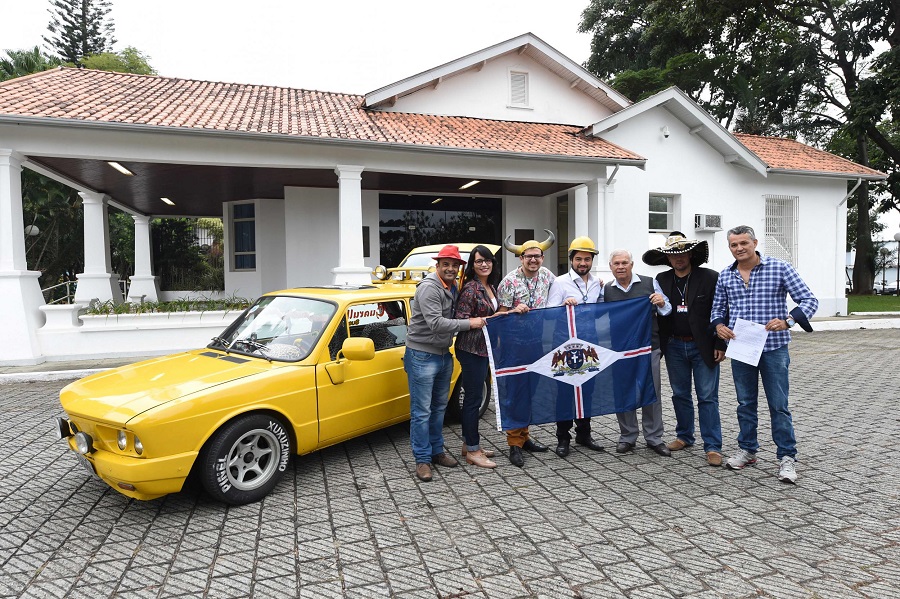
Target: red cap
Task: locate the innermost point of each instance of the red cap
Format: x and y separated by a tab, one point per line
449	252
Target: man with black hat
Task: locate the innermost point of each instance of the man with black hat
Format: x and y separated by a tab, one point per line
428	361
755	288
691	349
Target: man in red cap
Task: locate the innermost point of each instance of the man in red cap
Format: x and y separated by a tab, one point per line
428	362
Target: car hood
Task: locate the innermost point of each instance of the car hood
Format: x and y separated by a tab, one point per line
119	394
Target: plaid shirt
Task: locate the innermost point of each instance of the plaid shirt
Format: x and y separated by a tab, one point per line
763	299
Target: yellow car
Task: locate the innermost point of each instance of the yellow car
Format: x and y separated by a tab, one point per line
420	261
299	370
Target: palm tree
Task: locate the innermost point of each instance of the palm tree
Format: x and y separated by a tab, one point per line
25	62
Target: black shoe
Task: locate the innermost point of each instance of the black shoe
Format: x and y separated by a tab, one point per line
589	443
661	449
562	448
515	456
624	447
532	445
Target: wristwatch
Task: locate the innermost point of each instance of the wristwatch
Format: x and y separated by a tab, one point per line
790	321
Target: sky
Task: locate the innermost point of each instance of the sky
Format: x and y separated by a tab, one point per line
349	46
346	46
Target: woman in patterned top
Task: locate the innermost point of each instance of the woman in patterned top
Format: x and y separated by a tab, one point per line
478	298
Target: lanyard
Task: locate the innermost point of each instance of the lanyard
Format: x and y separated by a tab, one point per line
584	294
683	292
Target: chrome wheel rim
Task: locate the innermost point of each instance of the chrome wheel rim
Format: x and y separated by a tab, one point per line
253	459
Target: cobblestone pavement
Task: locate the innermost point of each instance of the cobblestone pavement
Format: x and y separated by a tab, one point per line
351	521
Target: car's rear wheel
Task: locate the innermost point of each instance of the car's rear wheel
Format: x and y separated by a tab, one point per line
454	406
245	459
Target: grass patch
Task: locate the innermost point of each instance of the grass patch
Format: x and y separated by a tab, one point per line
873	303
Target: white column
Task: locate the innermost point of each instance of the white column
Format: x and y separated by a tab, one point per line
579	207
144	286
20	292
96	282
351	268
599	227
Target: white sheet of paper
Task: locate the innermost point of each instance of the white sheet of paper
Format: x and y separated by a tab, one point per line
749	340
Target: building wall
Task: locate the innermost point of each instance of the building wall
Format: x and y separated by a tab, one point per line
485	94
685	166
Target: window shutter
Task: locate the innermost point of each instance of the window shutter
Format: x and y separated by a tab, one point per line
518	89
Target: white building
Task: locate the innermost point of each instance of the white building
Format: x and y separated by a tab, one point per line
316	187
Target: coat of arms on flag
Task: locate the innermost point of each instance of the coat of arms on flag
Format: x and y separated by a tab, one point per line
570	362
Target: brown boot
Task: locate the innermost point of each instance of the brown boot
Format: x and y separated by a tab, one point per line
423	472
479	458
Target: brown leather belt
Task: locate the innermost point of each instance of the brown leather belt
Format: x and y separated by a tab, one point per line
686	339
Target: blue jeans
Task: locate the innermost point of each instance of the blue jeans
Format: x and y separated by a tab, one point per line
683	362
773	370
474	372
429	384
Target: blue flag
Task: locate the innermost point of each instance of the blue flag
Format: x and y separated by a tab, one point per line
555	364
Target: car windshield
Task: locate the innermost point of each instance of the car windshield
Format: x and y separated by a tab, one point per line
278	328
427	259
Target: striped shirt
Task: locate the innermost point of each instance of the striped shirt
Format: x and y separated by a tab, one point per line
763	298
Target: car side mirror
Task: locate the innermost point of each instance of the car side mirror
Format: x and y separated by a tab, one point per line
353	349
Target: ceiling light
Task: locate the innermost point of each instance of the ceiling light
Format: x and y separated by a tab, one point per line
470	184
120	168
168	201
437	200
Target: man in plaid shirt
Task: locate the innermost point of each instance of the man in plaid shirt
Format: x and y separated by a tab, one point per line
755	288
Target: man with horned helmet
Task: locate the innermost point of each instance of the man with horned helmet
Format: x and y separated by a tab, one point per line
526	287
689	345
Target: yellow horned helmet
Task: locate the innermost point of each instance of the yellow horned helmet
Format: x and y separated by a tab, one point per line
518	250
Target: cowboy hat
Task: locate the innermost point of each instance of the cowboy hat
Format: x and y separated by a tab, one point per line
677	243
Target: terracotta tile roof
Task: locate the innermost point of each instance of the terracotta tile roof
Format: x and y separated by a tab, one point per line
86	95
786	154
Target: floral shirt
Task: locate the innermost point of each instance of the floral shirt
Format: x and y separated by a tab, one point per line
516	288
473	302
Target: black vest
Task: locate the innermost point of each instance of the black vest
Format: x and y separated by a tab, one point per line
643	288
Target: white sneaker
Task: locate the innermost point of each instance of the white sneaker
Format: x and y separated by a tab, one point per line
740	459
786	472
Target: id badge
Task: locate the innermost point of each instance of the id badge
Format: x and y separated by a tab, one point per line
682	309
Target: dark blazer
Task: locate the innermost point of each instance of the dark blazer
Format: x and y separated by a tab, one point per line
701	288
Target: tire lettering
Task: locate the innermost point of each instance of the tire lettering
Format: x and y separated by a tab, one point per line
285	443
222	475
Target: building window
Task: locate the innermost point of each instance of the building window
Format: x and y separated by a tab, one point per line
662	213
781	227
243	223
518	89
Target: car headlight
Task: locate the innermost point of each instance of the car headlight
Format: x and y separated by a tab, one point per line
138	446
83	443
121	440
380	272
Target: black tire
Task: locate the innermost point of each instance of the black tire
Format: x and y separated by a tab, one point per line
454	406
245	459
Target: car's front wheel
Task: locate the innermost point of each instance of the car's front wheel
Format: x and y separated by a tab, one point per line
454	407
245	459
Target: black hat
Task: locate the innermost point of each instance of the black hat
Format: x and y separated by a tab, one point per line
800	318
677	243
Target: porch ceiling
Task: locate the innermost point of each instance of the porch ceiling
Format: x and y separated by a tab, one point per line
200	190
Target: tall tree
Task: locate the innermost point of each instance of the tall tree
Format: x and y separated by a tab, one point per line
79	28
769	67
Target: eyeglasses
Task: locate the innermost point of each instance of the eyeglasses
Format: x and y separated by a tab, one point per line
532	256
482	262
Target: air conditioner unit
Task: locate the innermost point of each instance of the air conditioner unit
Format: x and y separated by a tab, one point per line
708	222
